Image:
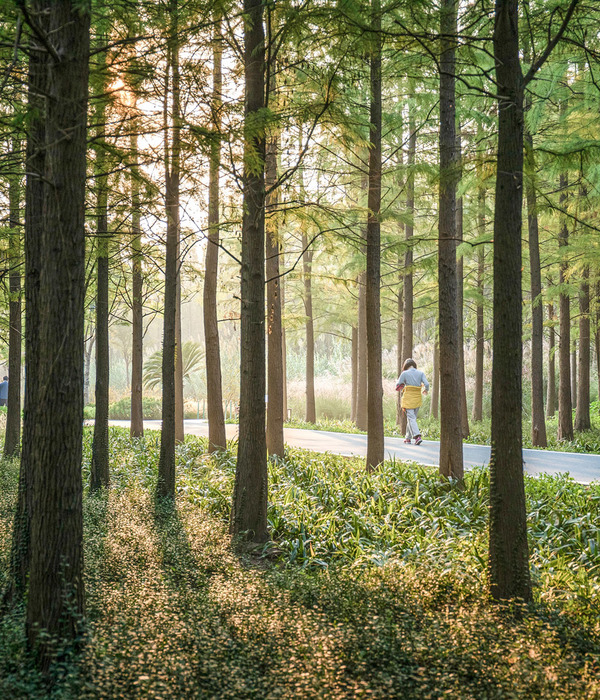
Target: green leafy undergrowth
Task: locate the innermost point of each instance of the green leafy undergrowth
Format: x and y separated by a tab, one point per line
373	587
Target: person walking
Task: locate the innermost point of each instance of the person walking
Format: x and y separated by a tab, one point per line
409	383
4	392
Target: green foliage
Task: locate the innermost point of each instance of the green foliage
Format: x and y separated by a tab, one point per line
192	355
173	612
121	410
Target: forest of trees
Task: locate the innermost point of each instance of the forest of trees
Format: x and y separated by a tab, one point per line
391	174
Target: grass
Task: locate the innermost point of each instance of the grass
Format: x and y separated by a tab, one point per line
373	587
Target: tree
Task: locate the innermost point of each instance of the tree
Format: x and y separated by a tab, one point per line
165	487
451	459
99	471
13	415
508	559
214	392
55	600
249	509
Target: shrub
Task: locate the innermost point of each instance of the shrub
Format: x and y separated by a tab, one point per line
121	410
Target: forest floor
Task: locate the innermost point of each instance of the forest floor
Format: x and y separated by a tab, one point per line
373	586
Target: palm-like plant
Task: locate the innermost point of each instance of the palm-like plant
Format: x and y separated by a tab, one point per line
192	355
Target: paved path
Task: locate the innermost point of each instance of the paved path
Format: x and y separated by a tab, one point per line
584	468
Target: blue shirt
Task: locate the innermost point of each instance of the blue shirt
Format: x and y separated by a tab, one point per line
4	389
413	377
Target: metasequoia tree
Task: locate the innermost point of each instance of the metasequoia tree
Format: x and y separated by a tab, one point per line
12	435
565	404
451	458
55	601
214	391
275	379
34	194
99	469
249	508
165	486
375	439
508	558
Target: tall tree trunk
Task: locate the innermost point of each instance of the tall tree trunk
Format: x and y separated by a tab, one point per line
399	340
99	471
582	413
354	374
175	181
249	511
565	407
214	384
508	551
55	600
375	439
551	393
435	380
165	487
361	391
460	299
480	328
137	287
451	459
574	375
275	443
409	229
34	196
12	437
283	337
307	258
538	419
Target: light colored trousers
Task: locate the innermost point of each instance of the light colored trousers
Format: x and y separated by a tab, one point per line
412	429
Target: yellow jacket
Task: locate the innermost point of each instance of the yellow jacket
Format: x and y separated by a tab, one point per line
411	397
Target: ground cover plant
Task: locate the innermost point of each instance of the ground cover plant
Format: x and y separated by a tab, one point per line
373	586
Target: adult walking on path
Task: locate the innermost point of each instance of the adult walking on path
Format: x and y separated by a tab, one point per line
584	468
409	383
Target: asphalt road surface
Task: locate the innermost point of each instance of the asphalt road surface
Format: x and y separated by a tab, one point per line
584	468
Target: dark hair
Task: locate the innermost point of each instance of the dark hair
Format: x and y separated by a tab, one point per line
409	362
4	379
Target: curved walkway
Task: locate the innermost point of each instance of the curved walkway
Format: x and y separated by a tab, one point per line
584	468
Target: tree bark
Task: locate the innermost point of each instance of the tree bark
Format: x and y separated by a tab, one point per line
275	443
249	511
565	408
99	472
574	374
354	389
12	436
361	391
480	328
460	298
137	287
214	384
538	419
508	550
34	196
435	380
582	413
551	392
451	459
165	487
55	601
307	258
409	229
375	439
399	340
